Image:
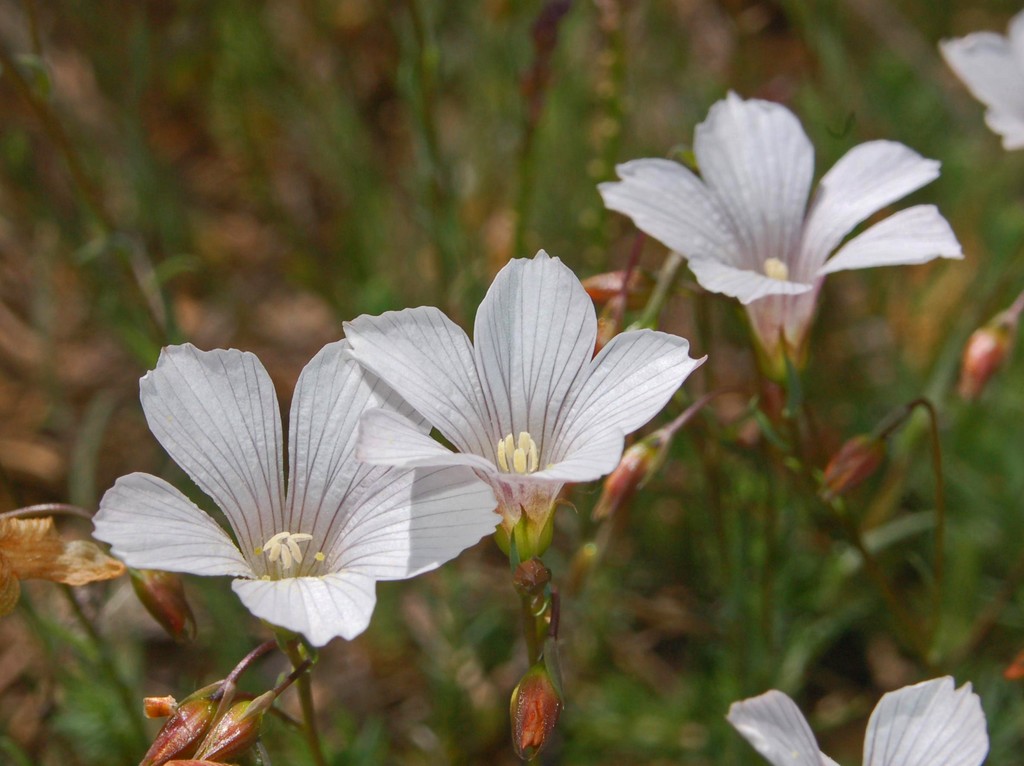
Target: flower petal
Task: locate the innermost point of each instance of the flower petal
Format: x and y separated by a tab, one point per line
670	203
151	525
428	360
866	179
986	64
630	381
926	724
320	608
912	236
389	438
743	284
758	161
774	725
534	337
216	414
332	393
414	520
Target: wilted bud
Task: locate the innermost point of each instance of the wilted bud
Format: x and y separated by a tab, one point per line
159	707
237	731
855	461
185	730
534	709
604	287
621	484
531	577
985	352
163	595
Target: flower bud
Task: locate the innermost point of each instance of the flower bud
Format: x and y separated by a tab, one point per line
855	461
604	287
237	730
1015	670
163	595
622	483
985	353
535	706
185	729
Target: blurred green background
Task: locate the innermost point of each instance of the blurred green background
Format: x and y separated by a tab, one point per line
251	174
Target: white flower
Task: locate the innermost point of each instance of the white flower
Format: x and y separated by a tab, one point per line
745	224
307	556
927	724
527	405
992	68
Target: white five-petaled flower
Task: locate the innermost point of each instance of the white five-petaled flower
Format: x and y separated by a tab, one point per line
527	405
927	724
992	68
746	227
307	557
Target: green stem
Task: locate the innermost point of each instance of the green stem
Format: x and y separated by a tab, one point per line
662	290
292	649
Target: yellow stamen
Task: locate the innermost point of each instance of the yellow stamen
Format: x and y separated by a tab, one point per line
521	458
285	546
776	269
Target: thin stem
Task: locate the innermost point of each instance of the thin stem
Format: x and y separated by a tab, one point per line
64	509
662	289
940	514
302	676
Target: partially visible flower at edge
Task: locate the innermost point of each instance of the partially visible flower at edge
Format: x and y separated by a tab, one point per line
32	549
928	724
746	227
308	556
526	405
992	67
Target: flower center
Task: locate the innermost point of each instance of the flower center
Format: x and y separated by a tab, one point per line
285	546
776	269
518	459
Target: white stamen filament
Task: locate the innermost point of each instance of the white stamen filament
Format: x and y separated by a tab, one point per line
522	458
776	269
285	546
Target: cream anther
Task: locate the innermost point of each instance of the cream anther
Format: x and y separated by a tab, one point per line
285	546
776	269
518	458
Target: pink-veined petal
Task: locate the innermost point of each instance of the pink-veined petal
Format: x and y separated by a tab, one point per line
389	438
414	520
912	236
758	161
332	393
320	608
927	724
774	725
533	339
428	360
743	284
864	180
151	525
216	414
630	381
987	64
671	204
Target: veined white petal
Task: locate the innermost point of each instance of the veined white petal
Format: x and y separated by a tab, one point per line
912	236
428	360
629	382
332	393
927	724
866	179
533	340
774	725
743	284
987	64
216	414
670	203
758	161
592	457
320	608
151	525
413	521
389	438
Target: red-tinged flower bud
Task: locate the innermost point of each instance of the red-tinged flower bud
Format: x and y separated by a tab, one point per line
985	353
1015	671
534	709
159	707
855	461
185	729
237	730
604	287
193	762
608	326
621	484
163	595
